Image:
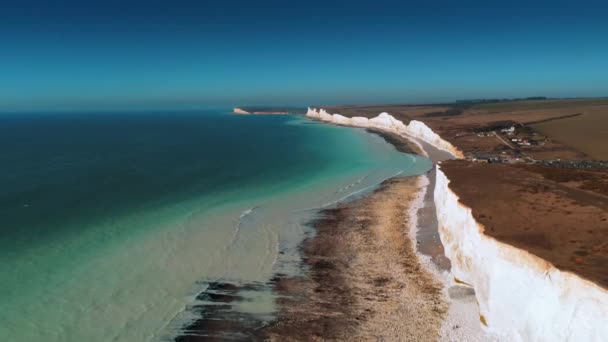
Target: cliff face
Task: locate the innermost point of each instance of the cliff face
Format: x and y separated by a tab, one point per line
387	122
266	110
521	296
238	110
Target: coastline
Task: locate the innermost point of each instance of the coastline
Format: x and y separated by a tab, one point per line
461	318
533	283
363	279
224	309
362	275
239	110
360	278
370	267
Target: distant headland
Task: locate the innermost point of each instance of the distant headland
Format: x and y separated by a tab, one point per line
269	110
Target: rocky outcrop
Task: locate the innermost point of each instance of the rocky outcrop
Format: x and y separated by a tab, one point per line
521	296
387	122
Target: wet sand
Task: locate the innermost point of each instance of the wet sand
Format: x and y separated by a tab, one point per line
427	236
218	316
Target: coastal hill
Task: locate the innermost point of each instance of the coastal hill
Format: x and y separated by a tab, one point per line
573	129
528	196
528	156
268	110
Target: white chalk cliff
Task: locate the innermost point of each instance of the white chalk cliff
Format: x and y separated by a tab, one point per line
521	296
238	110
387	122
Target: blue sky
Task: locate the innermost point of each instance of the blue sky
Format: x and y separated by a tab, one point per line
179	54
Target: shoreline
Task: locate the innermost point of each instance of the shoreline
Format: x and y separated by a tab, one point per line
239	110
461	319
363	279
360	278
494	311
372	267
223	309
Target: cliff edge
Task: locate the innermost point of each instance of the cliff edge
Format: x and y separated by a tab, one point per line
521	296
238	110
387	122
536	266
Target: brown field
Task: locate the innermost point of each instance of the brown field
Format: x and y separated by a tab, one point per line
560	215
568	142
582	135
501	107
587	133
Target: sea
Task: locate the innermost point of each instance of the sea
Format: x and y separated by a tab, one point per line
111	224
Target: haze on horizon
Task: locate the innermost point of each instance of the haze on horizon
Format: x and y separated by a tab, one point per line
180	54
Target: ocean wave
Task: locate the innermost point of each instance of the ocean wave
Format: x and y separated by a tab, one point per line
247	212
325	205
357	182
237	227
360	190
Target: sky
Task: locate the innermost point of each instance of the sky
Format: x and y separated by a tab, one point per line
57	55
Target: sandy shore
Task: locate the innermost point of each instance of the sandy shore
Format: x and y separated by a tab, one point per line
363	280
376	270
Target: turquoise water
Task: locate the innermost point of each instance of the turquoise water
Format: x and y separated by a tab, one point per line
110	222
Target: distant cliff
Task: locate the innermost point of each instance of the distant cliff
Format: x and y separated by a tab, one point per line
268	110
238	110
387	122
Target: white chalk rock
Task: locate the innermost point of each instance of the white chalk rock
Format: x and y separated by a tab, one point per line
521	296
325	116
360	121
387	122
341	120
419	130
311	112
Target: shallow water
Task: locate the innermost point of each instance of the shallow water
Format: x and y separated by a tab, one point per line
113	223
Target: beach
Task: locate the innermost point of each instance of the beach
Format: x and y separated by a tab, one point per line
303	171
371	268
364	280
360	279
376	268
